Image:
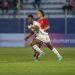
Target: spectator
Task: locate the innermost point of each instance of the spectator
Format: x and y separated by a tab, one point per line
5	6
16	5
21	4
72	2
36	3
0	4
70	5
67	7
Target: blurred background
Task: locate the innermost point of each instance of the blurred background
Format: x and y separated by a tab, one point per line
13	23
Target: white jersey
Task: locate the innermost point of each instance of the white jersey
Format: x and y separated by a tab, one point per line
40	34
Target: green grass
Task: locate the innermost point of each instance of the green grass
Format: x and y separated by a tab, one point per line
19	61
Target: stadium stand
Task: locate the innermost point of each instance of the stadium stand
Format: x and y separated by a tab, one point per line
53	11
52	8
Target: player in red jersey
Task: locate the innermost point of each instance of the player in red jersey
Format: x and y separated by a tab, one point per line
44	24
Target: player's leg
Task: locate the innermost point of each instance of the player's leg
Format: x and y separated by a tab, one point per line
36	53
34	45
39	45
54	50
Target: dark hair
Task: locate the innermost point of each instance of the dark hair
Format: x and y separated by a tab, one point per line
42	12
30	16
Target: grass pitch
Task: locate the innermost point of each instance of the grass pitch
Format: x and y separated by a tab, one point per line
19	61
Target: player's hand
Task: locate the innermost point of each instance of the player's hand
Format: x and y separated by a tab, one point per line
30	26
26	39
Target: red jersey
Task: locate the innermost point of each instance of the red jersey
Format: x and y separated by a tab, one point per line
43	23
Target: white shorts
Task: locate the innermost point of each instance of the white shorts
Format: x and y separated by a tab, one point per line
44	38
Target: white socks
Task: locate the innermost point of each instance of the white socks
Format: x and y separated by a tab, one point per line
37	48
56	52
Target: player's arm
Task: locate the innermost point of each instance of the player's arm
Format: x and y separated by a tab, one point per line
34	27
47	26
29	36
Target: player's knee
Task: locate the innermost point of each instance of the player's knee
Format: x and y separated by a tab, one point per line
51	48
32	44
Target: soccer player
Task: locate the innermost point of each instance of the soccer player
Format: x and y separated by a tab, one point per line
37	53
41	36
44	24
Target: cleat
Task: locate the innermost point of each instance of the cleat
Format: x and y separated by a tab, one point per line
60	58
36	60
41	54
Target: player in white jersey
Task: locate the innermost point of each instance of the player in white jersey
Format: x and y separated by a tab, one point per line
41	36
